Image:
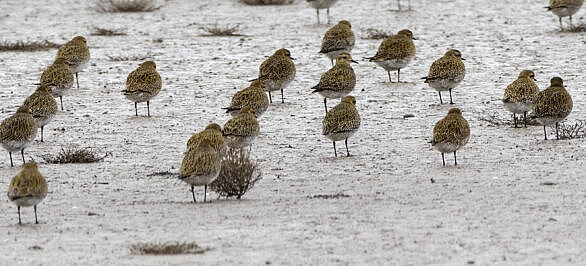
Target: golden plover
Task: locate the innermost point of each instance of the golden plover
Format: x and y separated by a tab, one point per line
339	39
27	188
241	130
43	106
253	96
337	82
59	78
451	133
212	133
77	54
564	8
446	73
341	122
552	105
200	167
520	94
18	132
143	84
395	52
322	4
277	72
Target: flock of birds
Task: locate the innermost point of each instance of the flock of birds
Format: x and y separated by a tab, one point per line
201	164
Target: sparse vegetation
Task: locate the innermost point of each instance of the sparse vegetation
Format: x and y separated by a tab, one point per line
27	46
572	130
171	248
113	6
75	155
498	119
577	28
376	34
238	174
267	2
139	57
107	32
331	196
221	30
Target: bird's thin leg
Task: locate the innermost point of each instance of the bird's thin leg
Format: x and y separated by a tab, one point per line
193	194
270	97
77	80
561	26
455	161
409	3
135	109
282	97
347	152
328	14
443	159
557	136
335	152
525	118
42	133
440	95
36	221
148	109
515	119
389	73
451	102
18	208
399	4
11	164
325	104
22	153
398	75
61	100
205	192
544	132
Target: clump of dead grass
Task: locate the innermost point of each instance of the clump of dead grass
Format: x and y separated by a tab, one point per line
376	34
27	46
331	196
238	174
75	155
572	130
136	57
97	31
498	119
577	29
221	30
170	248
267	2
115	6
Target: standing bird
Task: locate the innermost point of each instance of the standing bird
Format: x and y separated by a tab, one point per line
341	122
18	132
27	188
520	94
395	52
552	105
446	73
59	78
277	72
253	96
143	84
337	82
322	4
212	133
339	39
564	8
77	55
43	106
450	133
200	167
241	130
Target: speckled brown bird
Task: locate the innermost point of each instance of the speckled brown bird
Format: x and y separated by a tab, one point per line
552	105
212	133
277	72
200	167
564	8
77	54
241	130
450	133
18	131
395	52
339	39
27	188
43	106
337	82
520	94
59	78
143	84
253	96
341	122
322	4
446	73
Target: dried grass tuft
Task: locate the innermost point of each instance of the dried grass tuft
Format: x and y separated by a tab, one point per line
171	248
572	130
137	57
27	46
331	196
238	174
221	30
267	2
75	155
376	34
115	6
577	28
106	32
498	119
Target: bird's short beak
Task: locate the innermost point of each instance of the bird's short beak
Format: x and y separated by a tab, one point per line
354	61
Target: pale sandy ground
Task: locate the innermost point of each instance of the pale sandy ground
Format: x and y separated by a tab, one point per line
491	209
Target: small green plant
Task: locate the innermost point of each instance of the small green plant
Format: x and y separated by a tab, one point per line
113	6
171	248
27	46
237	176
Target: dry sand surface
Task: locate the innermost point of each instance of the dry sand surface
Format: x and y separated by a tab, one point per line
491	209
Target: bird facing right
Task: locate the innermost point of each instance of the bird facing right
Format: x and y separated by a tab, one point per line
322	4
341	122
18	131
200	167
59	78
277	72
552	105
27	188
143	84
450	133
77	54
43	106
337	82
339	39
564	8
395	52
520	94
446	73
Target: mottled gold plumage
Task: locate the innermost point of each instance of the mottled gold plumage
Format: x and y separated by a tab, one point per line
58	77
337	82
395	52
277	72
43	106
200	166
339	39
142	84
242	129
77	54
341	122
253	96
450	133
212	133
553	105
27	188
519	95
446	73
18	131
